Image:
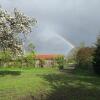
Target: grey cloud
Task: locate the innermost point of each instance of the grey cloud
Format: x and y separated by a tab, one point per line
74	20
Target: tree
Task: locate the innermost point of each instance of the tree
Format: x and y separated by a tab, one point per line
31	48
96	60
10	27
71	57
84	57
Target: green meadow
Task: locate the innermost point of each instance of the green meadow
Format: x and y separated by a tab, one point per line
47	84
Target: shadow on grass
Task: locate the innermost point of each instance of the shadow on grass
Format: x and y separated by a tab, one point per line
71	87
9	72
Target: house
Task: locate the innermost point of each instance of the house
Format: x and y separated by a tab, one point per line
46	60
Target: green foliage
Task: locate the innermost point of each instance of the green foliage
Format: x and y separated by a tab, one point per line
84	57
29	60
31	48
5	57
60	61
71	57
41	63
96	60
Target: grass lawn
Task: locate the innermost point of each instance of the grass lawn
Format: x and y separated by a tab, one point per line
47	84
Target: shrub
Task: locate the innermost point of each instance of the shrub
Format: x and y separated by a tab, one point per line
60	61
41	63
29	60
5	58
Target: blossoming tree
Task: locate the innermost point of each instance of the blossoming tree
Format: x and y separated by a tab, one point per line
11	25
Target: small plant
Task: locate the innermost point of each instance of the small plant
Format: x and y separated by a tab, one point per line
29	60
60	62
5	58
41	63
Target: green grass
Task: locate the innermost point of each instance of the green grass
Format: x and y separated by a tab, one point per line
24	82
48	84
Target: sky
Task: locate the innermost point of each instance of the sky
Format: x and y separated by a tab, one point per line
62	24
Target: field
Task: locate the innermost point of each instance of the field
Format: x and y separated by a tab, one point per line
47	84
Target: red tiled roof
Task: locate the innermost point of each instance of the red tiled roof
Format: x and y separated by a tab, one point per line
47	56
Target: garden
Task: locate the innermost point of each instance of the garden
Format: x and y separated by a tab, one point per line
57	77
